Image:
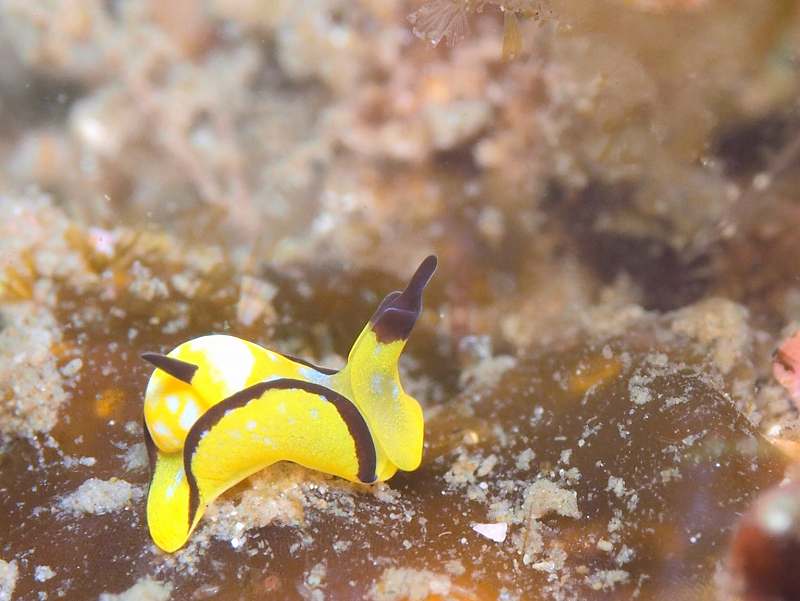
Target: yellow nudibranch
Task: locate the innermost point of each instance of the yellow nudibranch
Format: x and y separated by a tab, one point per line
218	409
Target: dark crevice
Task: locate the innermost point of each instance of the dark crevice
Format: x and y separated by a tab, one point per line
667	278
747	147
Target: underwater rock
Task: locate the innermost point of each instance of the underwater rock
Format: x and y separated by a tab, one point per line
610	469
617	470
647	466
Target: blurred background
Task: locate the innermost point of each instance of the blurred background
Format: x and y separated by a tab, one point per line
628	139
562	150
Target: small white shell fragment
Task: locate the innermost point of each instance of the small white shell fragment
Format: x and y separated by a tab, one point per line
496	532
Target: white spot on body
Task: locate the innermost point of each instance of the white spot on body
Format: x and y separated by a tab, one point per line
189	415
313	376
175	483
154	383
314	414
377	384
281	408
165	435
230	358
251	425
268	441
162	428
173	403
152	393
395	391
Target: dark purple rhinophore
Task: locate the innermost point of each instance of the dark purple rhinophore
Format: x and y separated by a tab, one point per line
398	312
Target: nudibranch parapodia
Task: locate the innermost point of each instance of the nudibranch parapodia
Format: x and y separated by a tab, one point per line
218	409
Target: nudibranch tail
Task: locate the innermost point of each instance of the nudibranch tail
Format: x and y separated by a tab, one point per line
168	503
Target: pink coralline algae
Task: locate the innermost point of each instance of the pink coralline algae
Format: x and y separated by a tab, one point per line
786	366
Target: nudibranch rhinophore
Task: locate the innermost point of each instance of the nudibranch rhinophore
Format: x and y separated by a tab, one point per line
218	409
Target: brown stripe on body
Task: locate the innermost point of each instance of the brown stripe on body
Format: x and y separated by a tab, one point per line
323	370
365	447
181	370
151	448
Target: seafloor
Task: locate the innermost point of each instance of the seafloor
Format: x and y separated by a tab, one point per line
610	187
